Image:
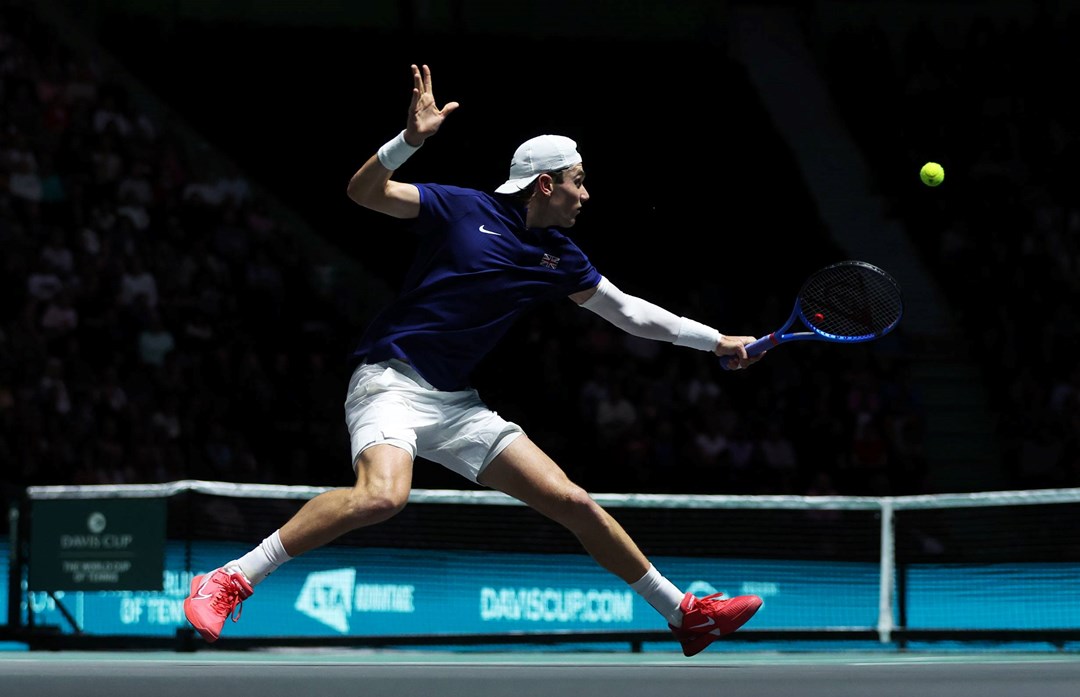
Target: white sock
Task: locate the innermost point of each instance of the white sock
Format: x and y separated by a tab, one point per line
262	561
661	594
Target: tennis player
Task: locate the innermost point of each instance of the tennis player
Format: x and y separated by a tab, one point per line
482	260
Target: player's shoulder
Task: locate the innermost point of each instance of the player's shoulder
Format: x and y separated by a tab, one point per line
458	197
452	191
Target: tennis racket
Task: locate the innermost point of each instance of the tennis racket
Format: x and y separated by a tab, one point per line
847	302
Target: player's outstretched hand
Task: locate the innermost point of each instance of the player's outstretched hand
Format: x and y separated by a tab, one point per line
425	116
735	348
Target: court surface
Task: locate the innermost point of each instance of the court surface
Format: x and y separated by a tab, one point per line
299	673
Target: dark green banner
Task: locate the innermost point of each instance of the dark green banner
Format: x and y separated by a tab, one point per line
97	544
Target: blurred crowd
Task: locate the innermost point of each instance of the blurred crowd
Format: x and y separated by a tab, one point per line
158	322
626	414
1003	232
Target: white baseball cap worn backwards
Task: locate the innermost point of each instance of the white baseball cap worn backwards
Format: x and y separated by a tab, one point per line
537	155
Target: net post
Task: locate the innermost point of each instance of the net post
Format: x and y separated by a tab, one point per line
887	573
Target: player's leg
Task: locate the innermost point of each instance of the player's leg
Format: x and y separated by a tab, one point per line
525	472
383	480
383	447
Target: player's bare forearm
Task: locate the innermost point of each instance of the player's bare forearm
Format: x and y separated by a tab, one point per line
371	187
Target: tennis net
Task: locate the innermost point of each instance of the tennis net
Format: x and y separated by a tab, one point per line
997	567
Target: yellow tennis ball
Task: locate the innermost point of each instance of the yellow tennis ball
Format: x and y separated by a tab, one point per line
932	174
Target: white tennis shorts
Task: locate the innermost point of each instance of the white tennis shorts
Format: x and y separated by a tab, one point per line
389	402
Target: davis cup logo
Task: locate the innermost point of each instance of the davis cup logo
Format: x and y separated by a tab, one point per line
96	522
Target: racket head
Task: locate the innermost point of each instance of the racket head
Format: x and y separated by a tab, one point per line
850	301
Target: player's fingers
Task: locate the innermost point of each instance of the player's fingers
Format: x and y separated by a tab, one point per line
427	79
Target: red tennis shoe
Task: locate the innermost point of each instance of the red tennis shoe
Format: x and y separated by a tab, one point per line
707	619
215	596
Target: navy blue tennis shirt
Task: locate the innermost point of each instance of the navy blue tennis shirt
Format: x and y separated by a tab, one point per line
477	269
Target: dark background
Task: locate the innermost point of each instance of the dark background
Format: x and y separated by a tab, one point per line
692	192
697	205
684	170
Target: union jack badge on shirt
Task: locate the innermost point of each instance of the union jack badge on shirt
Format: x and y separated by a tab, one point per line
549	261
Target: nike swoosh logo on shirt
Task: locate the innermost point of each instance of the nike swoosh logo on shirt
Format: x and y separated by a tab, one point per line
489	232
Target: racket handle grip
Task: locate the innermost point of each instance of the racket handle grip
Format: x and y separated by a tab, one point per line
754	348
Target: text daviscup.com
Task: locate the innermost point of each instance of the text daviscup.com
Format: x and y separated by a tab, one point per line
332	597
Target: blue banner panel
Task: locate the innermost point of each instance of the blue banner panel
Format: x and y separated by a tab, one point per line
342	592
386	592
993	596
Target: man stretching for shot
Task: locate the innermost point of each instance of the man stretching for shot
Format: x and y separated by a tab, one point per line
482	261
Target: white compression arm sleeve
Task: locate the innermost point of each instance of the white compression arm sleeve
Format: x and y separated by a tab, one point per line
641	318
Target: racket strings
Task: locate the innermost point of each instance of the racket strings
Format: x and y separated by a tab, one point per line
851	300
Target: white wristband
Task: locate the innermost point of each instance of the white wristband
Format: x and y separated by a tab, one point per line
394	153
697	335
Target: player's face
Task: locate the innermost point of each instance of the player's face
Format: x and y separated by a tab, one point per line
568	196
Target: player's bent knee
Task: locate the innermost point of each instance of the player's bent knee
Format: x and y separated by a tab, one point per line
374	507
575	504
